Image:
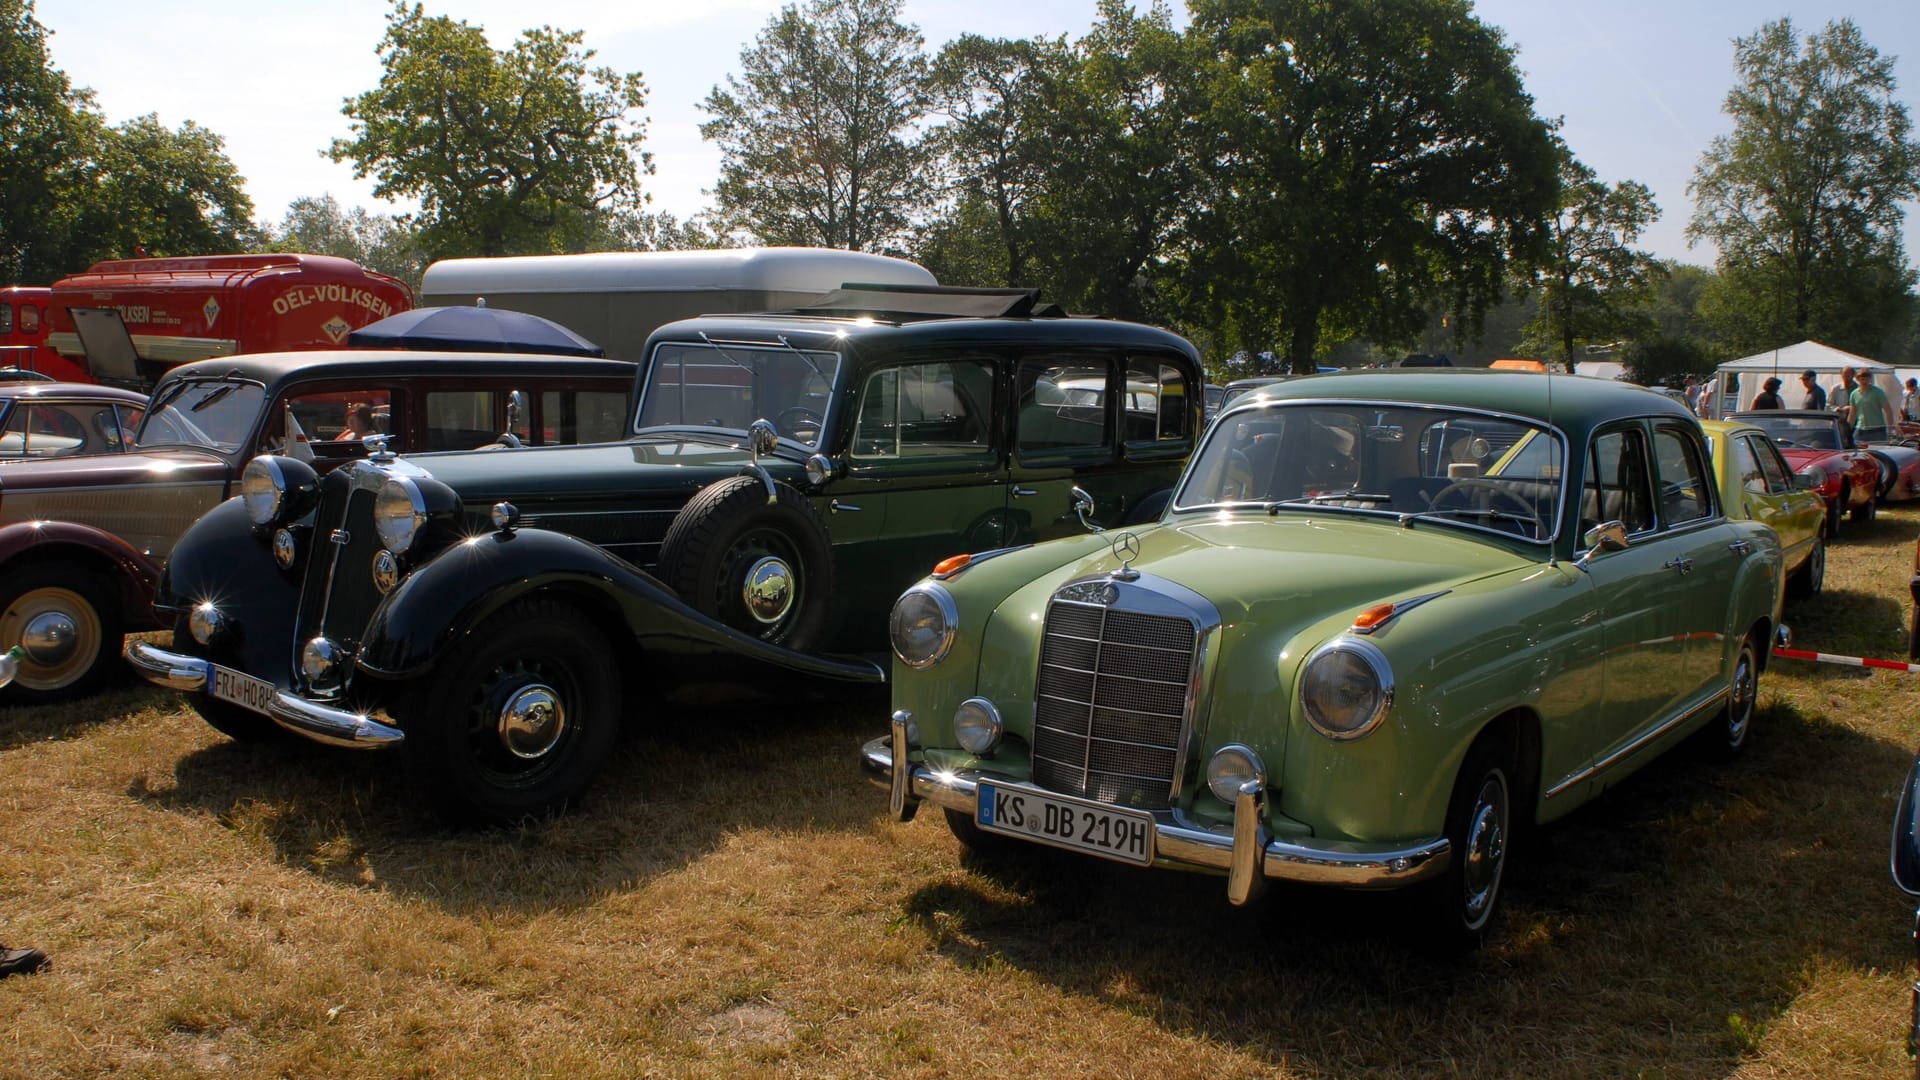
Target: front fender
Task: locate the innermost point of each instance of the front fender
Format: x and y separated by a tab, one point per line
443	600
221	559
132	574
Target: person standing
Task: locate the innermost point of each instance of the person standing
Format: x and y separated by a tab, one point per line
1910	402
1769	395
1871	411
1841	396
1816	397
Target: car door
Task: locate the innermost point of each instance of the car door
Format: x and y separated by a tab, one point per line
925	476
1706	553
1769	495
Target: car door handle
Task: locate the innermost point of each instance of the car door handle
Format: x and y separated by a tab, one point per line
1681	563
838	507
1741	547
1023	492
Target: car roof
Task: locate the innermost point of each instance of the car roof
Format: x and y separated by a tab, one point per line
26	391
831	331
1567	401
1750	415
273	368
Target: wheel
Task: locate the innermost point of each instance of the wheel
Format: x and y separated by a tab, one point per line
236	723
765	569
1836	512
1727	735
981	842
1460	904
1812	575
800	422
517	720
1913	633
63	617
1863	514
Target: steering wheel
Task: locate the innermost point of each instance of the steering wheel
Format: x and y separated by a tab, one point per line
1495	494
794	418
1237	485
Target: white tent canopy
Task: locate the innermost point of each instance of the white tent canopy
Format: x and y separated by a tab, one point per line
1739	381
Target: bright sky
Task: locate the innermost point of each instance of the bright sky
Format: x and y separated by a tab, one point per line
1639	83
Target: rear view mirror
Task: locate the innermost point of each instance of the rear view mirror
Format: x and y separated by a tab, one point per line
1906	834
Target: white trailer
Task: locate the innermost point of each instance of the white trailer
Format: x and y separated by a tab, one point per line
616	298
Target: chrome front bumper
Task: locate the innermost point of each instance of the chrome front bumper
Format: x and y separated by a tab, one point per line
311	719
1245	851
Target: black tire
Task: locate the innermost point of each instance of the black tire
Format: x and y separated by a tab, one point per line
1460	905
1727	735
457	749
236	723
1836	513
728	530
1812	575
43	597
1913	634
982	843
1148	510
1864	513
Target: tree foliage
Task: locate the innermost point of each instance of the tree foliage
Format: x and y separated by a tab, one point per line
516	151
41	117
818	133
164	191
1592	272
379	242
1803	198
1363	158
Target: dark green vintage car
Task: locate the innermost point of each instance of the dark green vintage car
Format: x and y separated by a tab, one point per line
500	614
1387	618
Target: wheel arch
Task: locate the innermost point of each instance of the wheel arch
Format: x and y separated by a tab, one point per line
131	575
1519	727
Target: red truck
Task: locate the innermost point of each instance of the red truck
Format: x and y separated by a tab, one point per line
174	310
23	334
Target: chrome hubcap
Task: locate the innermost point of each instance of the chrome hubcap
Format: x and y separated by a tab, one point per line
50	638
768	589
1486	848
1740	709
532	721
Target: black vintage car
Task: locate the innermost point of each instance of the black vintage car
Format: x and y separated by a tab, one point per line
499	615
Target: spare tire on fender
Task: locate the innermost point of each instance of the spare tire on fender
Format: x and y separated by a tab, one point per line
763	568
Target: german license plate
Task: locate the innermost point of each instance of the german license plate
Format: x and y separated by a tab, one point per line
243	690
1062	821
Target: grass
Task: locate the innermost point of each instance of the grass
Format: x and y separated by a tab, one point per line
731	901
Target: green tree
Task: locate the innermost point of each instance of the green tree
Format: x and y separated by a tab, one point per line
508	152
1592	272
1803	198
165	192
818	134
46	130
379	242
1364	159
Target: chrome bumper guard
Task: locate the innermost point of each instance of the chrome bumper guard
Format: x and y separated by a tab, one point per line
311	719
1245	852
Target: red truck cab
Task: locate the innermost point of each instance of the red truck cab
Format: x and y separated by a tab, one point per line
23	334
176	310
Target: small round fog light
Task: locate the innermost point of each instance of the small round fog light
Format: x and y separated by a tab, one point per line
285	547
320	662
205	622
505	515
386	571
977	726
1230	768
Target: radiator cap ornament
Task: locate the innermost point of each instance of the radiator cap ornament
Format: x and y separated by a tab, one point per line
1126	548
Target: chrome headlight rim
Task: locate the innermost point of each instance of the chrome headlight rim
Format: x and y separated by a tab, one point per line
263	506
1218	776
977	726
1376	663
943	605
399	531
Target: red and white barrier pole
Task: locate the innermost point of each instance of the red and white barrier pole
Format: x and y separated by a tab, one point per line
1849	661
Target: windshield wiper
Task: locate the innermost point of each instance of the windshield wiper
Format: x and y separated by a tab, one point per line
1334	498
216	395
1487	514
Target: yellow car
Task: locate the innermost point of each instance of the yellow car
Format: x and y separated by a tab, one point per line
1756	482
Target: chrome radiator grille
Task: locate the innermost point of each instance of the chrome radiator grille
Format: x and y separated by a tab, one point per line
1112	703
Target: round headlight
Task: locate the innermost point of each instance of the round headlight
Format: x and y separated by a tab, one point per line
263	488
1815	474
977	727
1346	688
205	622
1230	768
398	512
922	624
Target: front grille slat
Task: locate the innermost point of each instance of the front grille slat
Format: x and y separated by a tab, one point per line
1111	702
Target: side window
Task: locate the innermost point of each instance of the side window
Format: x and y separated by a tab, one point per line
582	416
127	422
45	429
1684	489
1062	405
1158	402
1619	484
1779	476
460	419
334	421
6	318
29	318
1746	466
931	410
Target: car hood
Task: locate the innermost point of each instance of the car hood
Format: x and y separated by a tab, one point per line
652	464
1800	458
109	470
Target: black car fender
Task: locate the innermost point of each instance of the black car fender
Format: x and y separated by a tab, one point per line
221	559
444	599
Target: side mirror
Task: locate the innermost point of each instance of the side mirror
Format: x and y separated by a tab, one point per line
762	437
1083	507
1906	835
1611	536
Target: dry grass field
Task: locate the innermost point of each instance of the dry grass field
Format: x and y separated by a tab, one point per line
731	901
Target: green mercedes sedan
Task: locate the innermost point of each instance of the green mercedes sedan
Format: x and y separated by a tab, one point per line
1386	619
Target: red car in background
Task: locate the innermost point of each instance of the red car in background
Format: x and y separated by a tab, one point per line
1821	442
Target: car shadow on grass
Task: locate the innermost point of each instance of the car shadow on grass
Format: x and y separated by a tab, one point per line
685	775
1655	931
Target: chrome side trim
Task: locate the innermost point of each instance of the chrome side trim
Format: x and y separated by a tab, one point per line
1634	747
321	723
1183	844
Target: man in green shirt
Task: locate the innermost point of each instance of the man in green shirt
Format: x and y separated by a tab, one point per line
1872	414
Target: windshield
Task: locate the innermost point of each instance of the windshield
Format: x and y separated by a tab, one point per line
1798	432
1465	468
215	413
730	386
